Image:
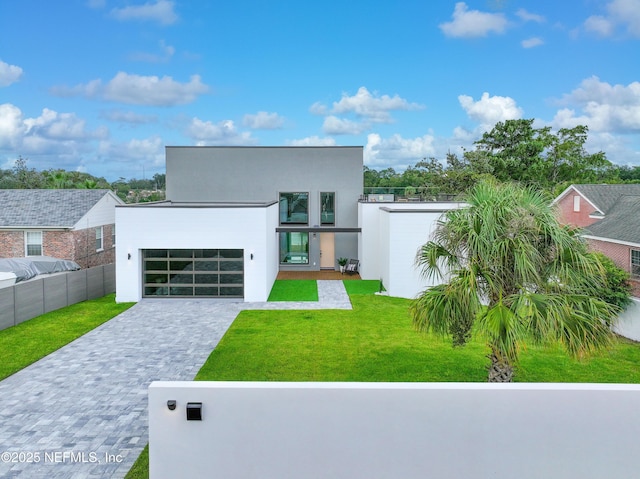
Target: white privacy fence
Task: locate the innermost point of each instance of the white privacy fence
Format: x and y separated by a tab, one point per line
393	430
628	323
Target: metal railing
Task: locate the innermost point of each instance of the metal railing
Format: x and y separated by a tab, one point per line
404	194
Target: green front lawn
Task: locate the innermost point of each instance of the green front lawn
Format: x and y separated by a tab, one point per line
294	290
376	342
30	341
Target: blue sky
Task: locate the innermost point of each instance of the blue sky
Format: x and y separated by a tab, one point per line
103	86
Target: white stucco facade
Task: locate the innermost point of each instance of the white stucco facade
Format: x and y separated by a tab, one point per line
250	228
391	235
394	430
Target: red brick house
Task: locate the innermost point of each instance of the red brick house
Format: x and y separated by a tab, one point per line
78	225
609	216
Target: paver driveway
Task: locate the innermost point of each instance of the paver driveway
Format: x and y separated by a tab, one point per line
81	412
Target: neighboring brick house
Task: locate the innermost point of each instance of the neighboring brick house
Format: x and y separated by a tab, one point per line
78	225
609	216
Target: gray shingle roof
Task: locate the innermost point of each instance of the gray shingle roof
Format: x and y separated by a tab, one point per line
604	197
622	223
38	208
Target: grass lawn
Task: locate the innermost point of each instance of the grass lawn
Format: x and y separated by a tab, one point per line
30	341
365	286
294	290
376	342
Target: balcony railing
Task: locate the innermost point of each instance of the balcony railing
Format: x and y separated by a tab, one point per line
379	194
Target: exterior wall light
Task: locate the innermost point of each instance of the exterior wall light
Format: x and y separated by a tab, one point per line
171	404
251	256
128	255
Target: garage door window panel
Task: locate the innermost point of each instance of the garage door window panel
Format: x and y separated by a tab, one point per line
190	273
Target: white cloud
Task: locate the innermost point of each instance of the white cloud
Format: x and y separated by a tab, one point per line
11	126
50	131
151	90
318	109
221	133
131	117
160	11
473	23
624	13
372	107
532	42
529	17
396	151
139	90
166	53
63	138
144	149
9	74
603	107
61	126
96	3
489	110
369	108
339	126
599	25
312	141
263	121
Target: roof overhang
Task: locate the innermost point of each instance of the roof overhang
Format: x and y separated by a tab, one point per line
612	240
316	229
171	204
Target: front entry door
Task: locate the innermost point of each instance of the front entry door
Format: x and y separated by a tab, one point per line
327	251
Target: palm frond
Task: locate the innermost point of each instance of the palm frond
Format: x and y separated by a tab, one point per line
448	309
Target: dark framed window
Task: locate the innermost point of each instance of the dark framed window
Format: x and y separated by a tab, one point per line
294	248
635	262
294	208
327	208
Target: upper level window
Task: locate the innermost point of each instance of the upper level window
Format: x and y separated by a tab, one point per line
294	208
635	262
33	241
327	208
98	238
576	203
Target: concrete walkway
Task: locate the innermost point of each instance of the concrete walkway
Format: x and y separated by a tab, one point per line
81	412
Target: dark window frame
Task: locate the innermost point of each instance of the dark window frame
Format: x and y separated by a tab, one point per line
295	201
322	208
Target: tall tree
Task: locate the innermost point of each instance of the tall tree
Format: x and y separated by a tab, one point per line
516	274
516	151
26	178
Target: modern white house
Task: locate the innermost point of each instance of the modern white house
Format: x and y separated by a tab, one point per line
236	216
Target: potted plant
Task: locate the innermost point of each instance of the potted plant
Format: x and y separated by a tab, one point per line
342	262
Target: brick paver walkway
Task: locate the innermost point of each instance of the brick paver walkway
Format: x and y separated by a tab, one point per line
81	412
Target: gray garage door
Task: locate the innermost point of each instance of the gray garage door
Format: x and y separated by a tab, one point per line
201	273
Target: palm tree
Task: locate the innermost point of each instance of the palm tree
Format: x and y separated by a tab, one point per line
512	273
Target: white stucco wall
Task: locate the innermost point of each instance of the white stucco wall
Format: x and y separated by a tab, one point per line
391	235
394	430
249	228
